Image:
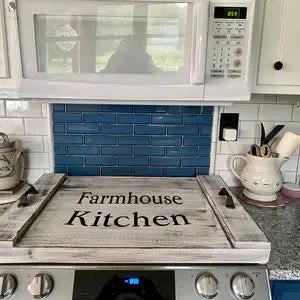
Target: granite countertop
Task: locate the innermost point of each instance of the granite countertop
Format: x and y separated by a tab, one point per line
282	227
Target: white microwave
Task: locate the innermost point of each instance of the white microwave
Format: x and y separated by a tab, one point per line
143	51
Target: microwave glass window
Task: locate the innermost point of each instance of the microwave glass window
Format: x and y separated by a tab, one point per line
141	38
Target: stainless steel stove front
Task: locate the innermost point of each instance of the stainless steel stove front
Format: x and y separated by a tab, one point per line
136	282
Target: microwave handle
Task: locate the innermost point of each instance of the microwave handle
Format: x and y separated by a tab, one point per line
201	33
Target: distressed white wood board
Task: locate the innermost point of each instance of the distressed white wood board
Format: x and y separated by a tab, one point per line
151	255
132	256
202	230
241	229
16	220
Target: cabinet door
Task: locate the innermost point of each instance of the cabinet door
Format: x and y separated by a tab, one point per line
3	52
280	42
286	290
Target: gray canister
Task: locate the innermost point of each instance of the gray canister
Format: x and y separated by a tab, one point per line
11	163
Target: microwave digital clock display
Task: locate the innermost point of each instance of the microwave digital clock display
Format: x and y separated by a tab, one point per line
230	13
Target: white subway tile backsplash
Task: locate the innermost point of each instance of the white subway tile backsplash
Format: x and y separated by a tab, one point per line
241	146
46	143
288	99
247	112
250	129
263	98
12	126
45	107
23	109
271	112
296	113
30	143
212	158
21	115
33	174
28	123
37	160
288	127
290	165
2	108
229	178
36	126
289	177
223	162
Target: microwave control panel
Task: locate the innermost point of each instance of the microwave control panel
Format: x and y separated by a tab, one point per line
228	45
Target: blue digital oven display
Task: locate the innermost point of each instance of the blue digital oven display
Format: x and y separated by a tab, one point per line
132	281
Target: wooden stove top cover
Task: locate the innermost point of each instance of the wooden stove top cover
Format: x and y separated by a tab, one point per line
110	212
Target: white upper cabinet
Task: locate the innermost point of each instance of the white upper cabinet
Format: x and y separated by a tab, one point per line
10	63
278	54
4	74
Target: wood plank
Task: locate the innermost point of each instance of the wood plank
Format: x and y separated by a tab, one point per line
189	222
240	228
132	256
15	221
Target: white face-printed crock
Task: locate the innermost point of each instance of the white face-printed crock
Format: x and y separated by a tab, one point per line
11	163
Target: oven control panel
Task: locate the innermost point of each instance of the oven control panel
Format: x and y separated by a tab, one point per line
136	282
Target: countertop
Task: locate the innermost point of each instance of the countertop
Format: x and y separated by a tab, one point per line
282	227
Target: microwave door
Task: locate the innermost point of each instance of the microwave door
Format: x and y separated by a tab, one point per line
200	29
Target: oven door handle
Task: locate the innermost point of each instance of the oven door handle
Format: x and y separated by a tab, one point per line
201	18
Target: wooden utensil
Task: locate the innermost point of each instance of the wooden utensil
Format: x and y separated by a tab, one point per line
255	150
265	151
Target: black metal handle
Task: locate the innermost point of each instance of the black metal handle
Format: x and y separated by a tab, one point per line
23	201
229	201
278	65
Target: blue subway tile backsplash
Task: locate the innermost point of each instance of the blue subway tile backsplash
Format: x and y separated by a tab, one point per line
101	160
117	129
116	150
67	117
128	140
99	118
82	128
83	150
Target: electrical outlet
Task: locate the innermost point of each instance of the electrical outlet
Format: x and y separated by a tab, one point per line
230	121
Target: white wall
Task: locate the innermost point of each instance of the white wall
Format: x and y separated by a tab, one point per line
271	110
28	123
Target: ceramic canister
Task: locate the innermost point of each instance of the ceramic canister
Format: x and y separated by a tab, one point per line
11	163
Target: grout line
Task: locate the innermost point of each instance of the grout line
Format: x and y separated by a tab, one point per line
214	139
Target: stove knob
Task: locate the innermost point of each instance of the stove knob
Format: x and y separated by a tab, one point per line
8	284
40	286
207	286
242	286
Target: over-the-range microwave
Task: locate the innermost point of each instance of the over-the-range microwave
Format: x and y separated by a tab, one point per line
143	51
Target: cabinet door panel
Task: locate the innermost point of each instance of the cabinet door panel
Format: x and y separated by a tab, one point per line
290	75
3	53
271	41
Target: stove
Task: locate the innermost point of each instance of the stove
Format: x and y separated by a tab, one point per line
92	238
